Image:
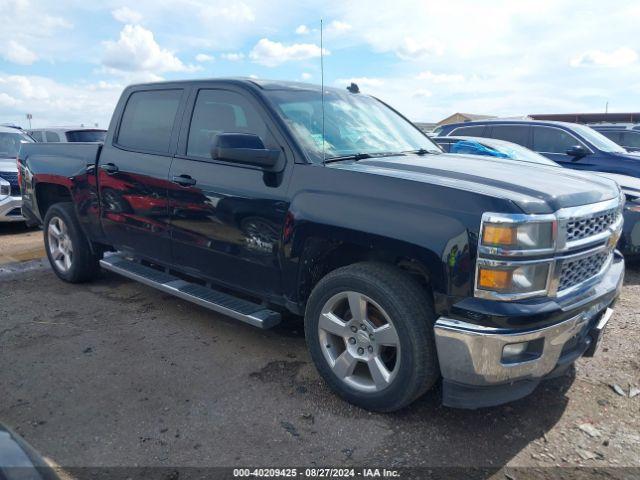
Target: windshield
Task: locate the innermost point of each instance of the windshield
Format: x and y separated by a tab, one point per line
353	124
518	152
597	139
86	136
10	143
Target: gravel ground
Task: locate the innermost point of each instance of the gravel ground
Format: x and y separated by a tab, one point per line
114	373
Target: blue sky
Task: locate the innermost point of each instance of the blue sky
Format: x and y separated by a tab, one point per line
66	62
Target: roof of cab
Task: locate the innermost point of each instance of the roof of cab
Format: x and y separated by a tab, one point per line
512	122
262	84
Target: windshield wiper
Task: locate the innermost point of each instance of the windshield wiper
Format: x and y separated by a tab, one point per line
422	151
362	156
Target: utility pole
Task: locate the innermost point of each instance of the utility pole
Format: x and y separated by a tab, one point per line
29	117
606	107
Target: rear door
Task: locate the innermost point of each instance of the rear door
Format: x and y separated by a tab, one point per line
227	224
553	143
519	134
133	173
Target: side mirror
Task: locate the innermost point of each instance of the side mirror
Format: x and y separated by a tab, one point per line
577	152
244	148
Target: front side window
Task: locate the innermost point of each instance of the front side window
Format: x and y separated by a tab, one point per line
552	140
511	133
222	111
348	124
148	119
612	135
37	136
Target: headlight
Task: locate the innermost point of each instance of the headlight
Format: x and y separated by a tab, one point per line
514	234
517	280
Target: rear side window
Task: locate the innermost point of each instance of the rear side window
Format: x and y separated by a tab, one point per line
475	131
148	119
553	140
630	139
222	111
511	133
52	137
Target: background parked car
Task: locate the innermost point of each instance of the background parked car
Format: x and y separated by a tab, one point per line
10	198
570	144
68	134
629	243
627	137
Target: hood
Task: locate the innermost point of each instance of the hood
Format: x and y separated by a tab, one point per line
534	188
8	165
626	182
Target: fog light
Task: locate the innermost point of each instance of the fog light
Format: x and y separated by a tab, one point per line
514	350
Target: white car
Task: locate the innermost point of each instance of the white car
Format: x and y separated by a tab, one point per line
67	134
10	197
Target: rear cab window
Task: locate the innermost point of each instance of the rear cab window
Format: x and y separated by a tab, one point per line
86	136
148	119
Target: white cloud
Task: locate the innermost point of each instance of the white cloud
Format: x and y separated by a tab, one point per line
17	53
137	51
233	56
306	76
440	77
52	103
126	15
302	30
621	57
237	12
338	27
412	49
422	93
272	54
203	57
360	81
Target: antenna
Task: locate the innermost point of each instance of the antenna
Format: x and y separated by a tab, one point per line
322	88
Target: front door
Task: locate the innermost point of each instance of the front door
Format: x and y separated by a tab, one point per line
133	175
553	143
227	218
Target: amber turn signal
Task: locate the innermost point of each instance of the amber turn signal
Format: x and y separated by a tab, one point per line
494	279
499	235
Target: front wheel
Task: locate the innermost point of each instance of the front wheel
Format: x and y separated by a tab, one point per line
369	328
67	247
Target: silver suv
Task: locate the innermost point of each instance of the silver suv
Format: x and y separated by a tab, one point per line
10	198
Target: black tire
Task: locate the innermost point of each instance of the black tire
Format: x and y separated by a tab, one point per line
411	311
84	263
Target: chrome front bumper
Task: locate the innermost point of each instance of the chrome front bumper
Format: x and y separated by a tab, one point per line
473	355
7	206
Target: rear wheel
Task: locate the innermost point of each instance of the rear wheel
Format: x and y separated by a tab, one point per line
67	247
369	328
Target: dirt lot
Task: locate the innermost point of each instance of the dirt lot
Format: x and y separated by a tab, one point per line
114	373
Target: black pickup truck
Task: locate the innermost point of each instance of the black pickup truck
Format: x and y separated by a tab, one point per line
257	198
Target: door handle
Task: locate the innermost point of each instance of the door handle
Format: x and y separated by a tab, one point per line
184	180
109	168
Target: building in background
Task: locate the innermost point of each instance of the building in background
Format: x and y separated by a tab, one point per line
463	117
589	117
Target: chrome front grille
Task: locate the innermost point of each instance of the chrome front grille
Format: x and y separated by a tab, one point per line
585	227
12	178
574	272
